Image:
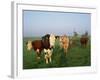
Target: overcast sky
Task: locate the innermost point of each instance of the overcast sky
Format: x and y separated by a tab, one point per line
39	23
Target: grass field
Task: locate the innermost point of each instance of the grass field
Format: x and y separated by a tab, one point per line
76	56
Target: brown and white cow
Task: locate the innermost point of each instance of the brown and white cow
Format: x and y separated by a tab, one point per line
38	46
46	43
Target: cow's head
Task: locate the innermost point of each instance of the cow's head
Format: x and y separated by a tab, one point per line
29	45
48	52
64	39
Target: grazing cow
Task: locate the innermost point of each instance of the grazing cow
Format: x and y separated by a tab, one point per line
48	54
64	43
52	40
38	46
84	40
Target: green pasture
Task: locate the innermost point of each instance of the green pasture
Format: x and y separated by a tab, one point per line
76	56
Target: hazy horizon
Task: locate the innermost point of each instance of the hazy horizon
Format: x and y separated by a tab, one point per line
39	23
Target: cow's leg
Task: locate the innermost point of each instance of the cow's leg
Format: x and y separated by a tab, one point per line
38	54
50	54
50	59
65	49
46	60
85	43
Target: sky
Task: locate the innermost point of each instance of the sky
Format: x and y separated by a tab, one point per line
39	23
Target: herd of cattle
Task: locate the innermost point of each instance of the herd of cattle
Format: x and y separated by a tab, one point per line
47	44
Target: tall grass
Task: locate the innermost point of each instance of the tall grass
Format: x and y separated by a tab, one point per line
76	56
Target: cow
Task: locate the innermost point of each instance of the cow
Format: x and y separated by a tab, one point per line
48	54
38	46
84	40
64	43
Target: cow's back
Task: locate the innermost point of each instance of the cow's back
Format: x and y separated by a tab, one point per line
37	44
